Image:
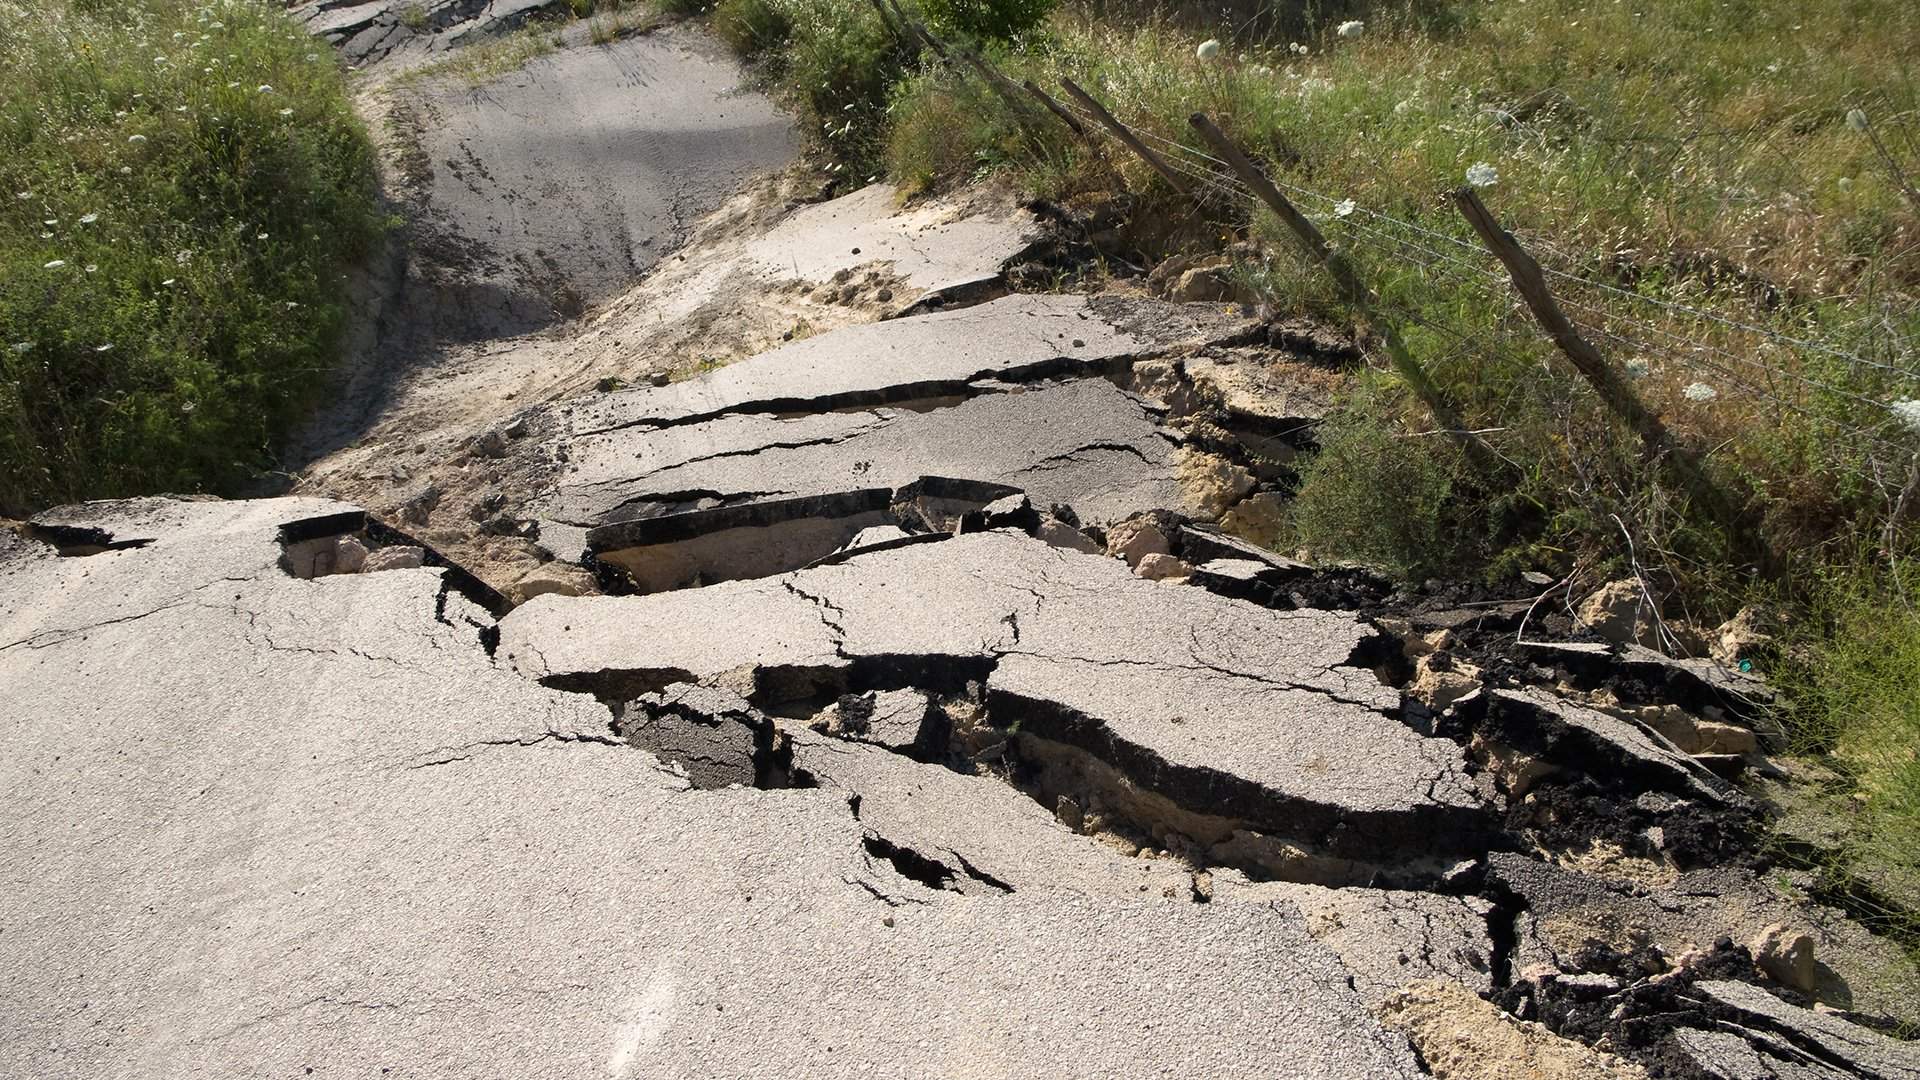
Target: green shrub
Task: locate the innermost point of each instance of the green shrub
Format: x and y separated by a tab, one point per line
999	20
1375	497
181	188
1852	681
751	27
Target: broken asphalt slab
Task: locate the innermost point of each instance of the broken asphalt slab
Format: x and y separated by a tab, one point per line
281	825
949	354
1245	713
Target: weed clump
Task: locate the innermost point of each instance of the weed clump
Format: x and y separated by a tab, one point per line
184	186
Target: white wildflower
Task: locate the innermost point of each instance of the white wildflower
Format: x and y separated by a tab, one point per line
88	219
1343	208
169	282
1316	86
1208	49
186	406
1482	175
108	347
1403	106
126	170
46	236
1352	28
52	221
23	195
1857	119
260	236
1700	392
54	265
1906	410
286	112
92	267
313	56
265	89
233	86
1297	49
136	139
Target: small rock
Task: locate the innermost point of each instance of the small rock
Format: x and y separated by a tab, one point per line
1213	482
1135	539
349	555
1739	638
1062	535
1515	771
417	507
658	378
1068	812
1202	283
516	428
490	444
402	557
487	506
1620	612
609	383
883	295
1163	568
1440	682
1720	738
552	578
1786	956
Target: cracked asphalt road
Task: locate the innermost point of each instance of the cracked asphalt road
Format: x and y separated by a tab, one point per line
305	824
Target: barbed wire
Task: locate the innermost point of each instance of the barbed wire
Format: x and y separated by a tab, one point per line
1213	179
1393	236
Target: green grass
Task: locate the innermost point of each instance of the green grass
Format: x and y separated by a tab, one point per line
1853	678
181	190
484	61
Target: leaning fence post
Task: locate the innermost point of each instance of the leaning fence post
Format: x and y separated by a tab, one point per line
1056	108
1354	291
1531	284
1126	135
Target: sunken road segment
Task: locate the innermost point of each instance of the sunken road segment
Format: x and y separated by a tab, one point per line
284	822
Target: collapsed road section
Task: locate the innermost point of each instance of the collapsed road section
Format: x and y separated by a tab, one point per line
927	807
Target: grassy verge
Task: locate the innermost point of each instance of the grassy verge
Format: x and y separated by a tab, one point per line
181	188
1696	166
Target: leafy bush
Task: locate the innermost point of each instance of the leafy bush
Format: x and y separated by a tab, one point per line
181	187
1374	497
1000	20
751	27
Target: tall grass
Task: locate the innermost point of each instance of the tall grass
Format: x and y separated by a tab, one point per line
181	188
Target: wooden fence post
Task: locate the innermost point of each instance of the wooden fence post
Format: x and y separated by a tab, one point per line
1354	291
1531	284
1126	136
1056	108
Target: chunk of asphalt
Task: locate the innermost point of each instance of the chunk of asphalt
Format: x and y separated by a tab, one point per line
306	824
903	721
992	839
1084	442
1578	737
1828	1039
1736	1054
931	257
1567	912
1212	703
712	733
1018	338
1387	937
